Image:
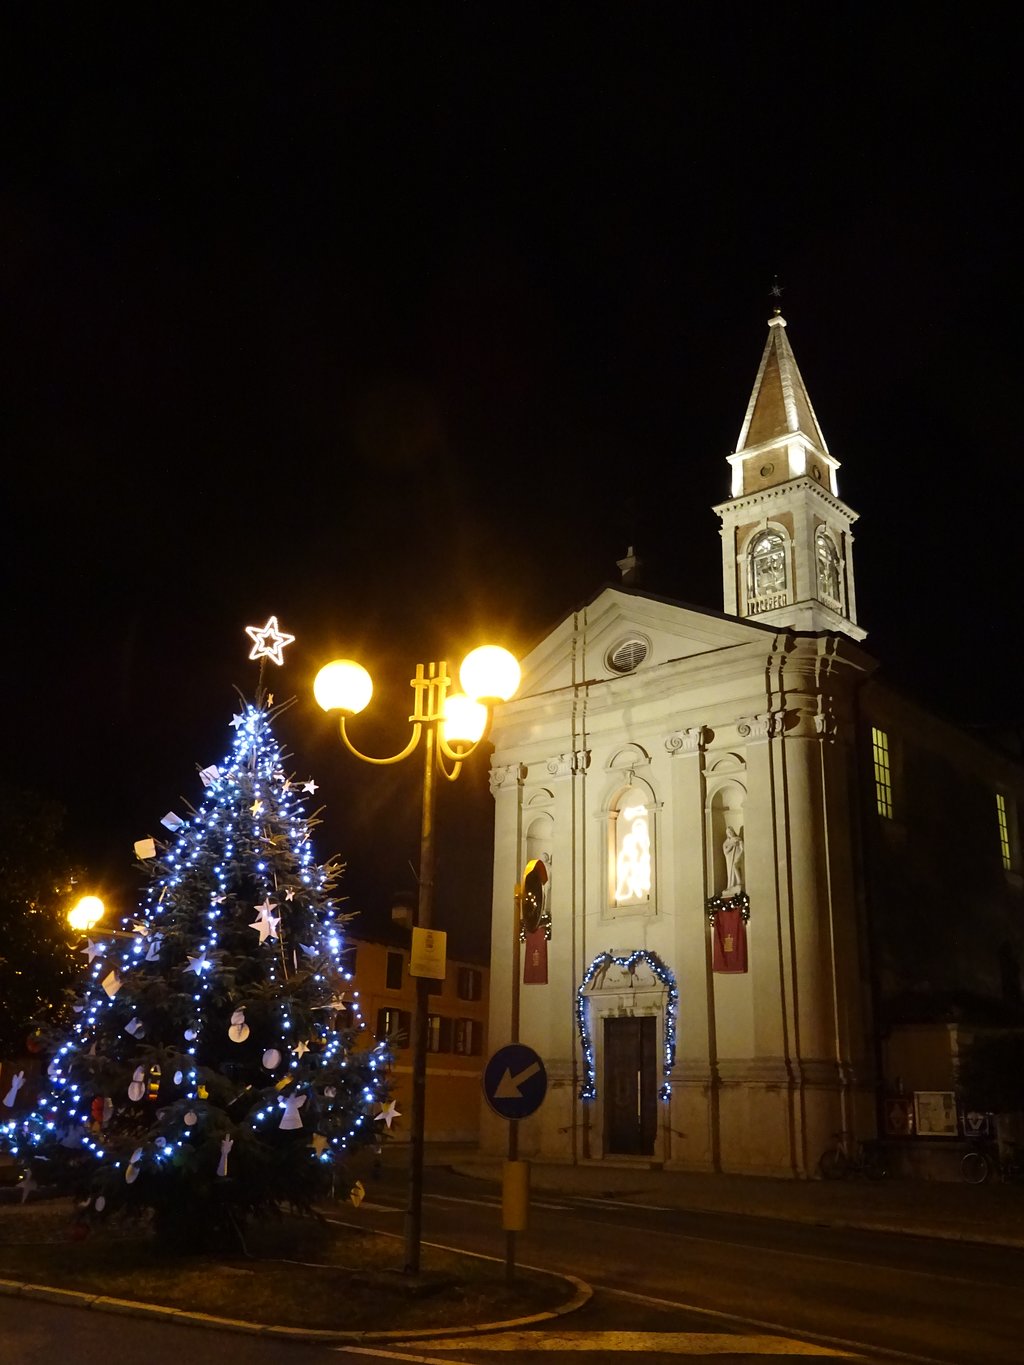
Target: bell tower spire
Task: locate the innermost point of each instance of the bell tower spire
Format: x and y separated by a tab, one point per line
787	547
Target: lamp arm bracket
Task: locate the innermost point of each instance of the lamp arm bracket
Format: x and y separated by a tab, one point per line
395	758
460	754
451	776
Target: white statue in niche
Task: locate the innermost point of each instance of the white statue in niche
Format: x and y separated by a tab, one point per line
732	847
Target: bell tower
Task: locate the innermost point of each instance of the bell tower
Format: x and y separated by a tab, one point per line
787	547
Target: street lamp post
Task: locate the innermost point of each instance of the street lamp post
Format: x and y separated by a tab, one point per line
451	726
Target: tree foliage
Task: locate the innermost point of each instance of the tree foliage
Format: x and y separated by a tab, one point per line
36	959
212	1072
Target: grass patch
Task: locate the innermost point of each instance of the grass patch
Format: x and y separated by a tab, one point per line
300	1272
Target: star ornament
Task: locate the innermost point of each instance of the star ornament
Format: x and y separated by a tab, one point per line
265	923
388	1113
268	641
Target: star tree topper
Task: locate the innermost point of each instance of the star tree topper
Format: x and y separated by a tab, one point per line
268	642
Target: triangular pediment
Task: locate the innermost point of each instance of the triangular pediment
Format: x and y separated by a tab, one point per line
621	624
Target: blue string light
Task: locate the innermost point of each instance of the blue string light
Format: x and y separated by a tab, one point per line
601	963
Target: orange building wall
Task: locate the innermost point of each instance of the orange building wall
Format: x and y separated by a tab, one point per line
453	1076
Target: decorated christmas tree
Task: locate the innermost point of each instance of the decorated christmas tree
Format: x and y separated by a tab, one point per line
211	1073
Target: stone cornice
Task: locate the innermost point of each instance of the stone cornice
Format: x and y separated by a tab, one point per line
782	493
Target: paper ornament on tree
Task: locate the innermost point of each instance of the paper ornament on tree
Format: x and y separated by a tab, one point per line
136	1028
101	1110
131	1175
171	821
292	1105
112	983
137	1088
271	1058
145	848
225	1147
99	1205
191	1118
388	1112
239	1030
16	1083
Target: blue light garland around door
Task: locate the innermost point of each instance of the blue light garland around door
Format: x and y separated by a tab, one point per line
588	1090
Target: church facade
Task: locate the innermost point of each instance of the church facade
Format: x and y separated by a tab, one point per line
706	970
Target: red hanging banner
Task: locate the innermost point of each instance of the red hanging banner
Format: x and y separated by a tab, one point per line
730	942
535	967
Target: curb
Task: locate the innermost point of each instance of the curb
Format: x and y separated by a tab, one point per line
75	1298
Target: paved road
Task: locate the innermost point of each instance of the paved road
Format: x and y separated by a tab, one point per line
928	1299
669	1283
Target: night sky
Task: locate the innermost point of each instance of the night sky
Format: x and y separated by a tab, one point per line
403	322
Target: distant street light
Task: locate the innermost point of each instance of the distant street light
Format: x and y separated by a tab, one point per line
89	911
451	726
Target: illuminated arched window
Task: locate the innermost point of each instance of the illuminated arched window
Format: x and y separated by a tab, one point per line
768	571
632	869
827	560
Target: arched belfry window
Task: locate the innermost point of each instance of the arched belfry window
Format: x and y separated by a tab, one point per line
631	848
768	571
827	561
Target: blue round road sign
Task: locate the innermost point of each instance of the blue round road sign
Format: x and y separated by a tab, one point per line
515	1081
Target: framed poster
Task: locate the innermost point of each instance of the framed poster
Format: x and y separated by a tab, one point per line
935	1113
899	1116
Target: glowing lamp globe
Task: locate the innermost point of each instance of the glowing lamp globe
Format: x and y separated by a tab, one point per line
86	913
490	674
465	720
343	686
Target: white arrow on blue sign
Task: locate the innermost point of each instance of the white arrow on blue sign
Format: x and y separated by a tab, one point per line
515	1081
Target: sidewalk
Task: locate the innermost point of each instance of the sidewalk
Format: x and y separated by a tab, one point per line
992	1213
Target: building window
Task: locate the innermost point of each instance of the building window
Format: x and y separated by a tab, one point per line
393	1025
883	776
1004	830
469	983
767	574
631	849
393	972
439	1033
469	1037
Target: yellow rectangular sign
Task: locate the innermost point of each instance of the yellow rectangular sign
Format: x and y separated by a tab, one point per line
429	953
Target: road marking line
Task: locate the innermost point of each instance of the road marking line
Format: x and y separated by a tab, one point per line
668	1343
859	1349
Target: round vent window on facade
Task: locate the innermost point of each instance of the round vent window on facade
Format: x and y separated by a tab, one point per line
627	655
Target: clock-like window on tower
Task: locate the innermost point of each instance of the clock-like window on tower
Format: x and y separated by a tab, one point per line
768	572
827	559
631	870
883	773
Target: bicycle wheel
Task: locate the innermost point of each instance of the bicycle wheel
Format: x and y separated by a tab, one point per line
975	1168
834	1164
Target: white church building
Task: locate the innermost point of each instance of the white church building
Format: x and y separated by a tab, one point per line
714	797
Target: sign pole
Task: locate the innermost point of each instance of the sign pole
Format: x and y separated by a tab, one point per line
513	1126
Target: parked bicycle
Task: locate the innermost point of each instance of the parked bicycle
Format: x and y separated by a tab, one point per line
851	1159
981	1163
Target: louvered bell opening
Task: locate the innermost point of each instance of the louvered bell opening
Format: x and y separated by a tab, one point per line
627	655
